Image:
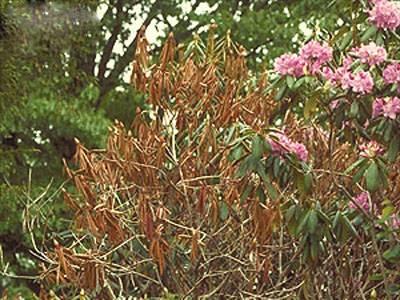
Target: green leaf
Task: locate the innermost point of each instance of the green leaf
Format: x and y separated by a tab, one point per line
257	146
223	211
349	226
361	171
380	39
336	219
346	41
354	108
299	83
376	277
290	80
246	193
355	165
369	33
393	150
312	222
304	183
303	223
272	192
261	195
372	177
323	216
236	153
281	92
275	167
314	249
243	168
392	254
308	182
290	213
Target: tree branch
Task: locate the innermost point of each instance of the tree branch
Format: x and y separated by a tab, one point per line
108	48
110	81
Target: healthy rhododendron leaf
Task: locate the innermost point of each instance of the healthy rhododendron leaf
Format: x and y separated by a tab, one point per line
360	172
392	254
261	195
223	211
243	197
281	92
369	33
346	41
394	148
290	80
290	213
349	226
354	109
257	146
357	164
312	222
299	82
303	222
372	178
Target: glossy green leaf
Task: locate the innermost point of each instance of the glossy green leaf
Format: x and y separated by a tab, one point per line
223	211
369	33
392	254
372	179
312	222
394	148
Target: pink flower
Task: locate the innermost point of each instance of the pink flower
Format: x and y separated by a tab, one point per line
315	54
377	107
346	79
341	75
347	62
284	145
371	54
360	82
391	74
327	73
385	14
371	149
362	200
300	151
290	64
387	107
392	108
375	1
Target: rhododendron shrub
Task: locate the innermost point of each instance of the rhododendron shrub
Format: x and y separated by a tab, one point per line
230	186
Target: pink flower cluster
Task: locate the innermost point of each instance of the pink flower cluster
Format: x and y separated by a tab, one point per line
312	56
316	54
371	54
335	77
371	149
387	107
283	145
391	74
362	200
360	82
290	64
385	14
